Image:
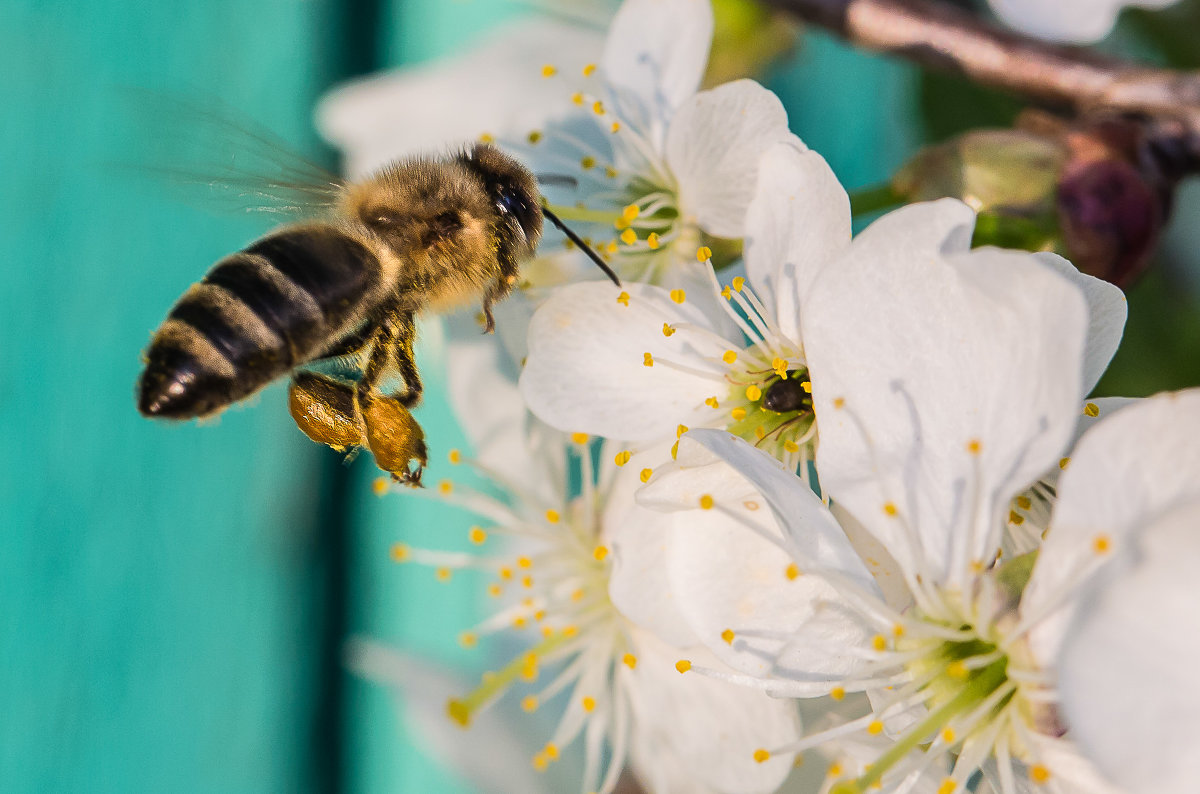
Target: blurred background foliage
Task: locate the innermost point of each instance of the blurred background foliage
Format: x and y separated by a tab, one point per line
174	599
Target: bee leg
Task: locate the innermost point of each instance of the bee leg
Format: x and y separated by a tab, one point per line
405	360
497	290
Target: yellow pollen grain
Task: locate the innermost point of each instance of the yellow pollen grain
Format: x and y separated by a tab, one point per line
577	98
753	392
534	136
587	162
588	703
599	553
524	562
623	298
706	502
737	414
875	727
1091	409
630	660
1038	773
792	572
646	474
839	402
1062	464
598	108
622	457
445	486
957	670
467	639
400	552
589	70
761	755
948	736
879	642
579	438
837	693
974	446
552	516
728	636
683	665
1015	518
454	456
380	486
549	70
668	330
729	356
948	786
629	237
1102	544
494	590
1024	503
443	574
459	712
678	295
711	402
680	430
703	253
652	240
889	508
630	212
791	446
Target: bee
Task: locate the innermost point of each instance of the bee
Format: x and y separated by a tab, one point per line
420	234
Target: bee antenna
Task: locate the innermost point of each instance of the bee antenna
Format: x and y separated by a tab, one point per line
587	249
563	180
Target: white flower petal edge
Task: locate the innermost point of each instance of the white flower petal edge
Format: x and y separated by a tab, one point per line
1075	21
944	413
715	141
1127	671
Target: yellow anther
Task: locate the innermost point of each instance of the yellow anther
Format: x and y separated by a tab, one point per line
835	769
1091	409
529	703
577	98
889	508
839	402
974	446
780	365
729	356
534	136
680	430
629	237
524	562
589	703
837	693
616	127
711	402
630	212
445	486
1015	518
577	594
506	573
549	70
487	137
726	293
589	70
761	755
609	171
1024	503
879	642
540	762
948	735
570	631
630	660
807	386
738	283
897	630
551	751
1039	773
579	438
598	108
791	446
623	298
611	248
552	516
454	456
467	639
381	485
703	253
459	712
792	572
750	504
494	590
623	457
443	574
1062	464
737	414
668	330
875	727
728	636
652	240
527	582
753	392
646	474
520	622
1102	544
683	665
760	432
599	553
587	162
957	670
948	787
678	295
400	552
675	451
706	502
477	535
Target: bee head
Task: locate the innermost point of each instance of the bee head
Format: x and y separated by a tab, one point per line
513	188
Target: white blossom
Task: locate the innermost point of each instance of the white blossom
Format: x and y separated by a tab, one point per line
1074	21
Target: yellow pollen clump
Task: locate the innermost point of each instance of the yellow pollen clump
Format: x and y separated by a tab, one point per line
948	736
738	283
957	670
792	572
753	392
577	98
875	727
680	430
837	693
589	70
494	590
443	574
729	356
459	712
890	509
646	474
623	457
738	414
711	402
761	755
1015	518
974	446
630	212
598	108
589	703
1091	409
668	330
1101	544
467	639
1038	773
380	486
678	295
587	162
652	240
948	786
455	457
623	298
534	136
599	553
683	665
839	402
629	237
728	636
549	70
579	438
879	642
630	660
1024	503
703	253
400	552
706	502
552	516
616	127
1062	464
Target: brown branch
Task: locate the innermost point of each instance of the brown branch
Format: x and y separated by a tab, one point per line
941	36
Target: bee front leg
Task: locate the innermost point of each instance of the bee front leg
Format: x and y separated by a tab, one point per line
498	289
405	360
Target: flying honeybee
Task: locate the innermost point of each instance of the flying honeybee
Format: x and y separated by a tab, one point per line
419	234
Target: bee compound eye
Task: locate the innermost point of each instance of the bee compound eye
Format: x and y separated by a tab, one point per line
381	218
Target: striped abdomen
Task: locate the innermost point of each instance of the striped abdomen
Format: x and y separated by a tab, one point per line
258	313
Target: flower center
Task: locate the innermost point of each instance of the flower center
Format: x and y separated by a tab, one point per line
771	406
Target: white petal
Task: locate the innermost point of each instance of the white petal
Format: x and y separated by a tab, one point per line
1125	471
797	223
1127	669
960	373
655	56
586	370
1107	310
1075	21
495	87
712	727
714	146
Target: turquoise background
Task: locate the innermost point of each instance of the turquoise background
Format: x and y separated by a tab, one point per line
173	599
